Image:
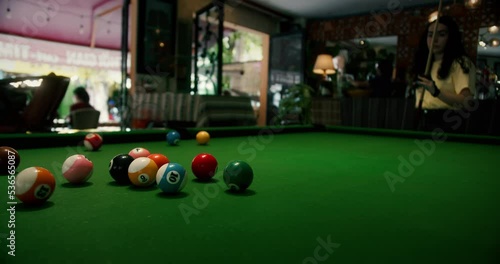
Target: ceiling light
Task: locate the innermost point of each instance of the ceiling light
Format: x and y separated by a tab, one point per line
494	42
472	4
493	29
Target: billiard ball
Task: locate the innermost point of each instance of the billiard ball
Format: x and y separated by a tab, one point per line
171	178
139	152
142	172
202	137
34	185
173	138
118	168
9	160
159	159
92	141
77	169
238	175
204	166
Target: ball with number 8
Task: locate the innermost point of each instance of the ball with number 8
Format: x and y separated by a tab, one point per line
142	171
171	178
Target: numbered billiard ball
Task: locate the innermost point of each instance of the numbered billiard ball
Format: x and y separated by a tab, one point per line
77	169
142	172
238	175
171	178
173	138
92	141
9	160
202	137
118	168
159	159
204	166
34	185
139	152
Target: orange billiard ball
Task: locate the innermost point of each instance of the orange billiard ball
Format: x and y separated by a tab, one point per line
142	172
159	159
202	137
34	185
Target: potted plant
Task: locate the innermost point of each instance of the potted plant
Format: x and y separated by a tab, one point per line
296	102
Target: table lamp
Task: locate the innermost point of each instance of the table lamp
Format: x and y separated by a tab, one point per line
324	65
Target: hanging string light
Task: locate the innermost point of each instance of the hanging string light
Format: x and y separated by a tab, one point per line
472	4
81	31
8	13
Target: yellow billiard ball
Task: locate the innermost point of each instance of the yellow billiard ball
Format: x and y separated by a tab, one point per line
202	137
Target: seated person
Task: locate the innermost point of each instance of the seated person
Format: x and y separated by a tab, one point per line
81	101
381	84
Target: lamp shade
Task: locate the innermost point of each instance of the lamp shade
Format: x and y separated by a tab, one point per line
324	65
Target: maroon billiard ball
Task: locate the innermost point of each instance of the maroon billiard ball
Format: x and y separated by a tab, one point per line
204	166
92	141
9	160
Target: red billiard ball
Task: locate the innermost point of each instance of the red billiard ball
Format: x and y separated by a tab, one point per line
204	166
92	141
142	172
77	169
139	152
34	185
9	160
159	159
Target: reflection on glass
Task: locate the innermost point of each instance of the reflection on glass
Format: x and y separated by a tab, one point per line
488	63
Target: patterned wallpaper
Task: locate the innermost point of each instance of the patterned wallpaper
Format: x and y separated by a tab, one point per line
407	24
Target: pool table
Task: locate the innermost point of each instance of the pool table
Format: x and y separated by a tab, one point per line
319	195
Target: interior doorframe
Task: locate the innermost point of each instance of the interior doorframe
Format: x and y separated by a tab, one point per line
220	35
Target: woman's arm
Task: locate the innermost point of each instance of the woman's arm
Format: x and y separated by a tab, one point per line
450	98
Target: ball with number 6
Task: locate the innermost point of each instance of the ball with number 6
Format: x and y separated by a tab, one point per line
171	178
142	171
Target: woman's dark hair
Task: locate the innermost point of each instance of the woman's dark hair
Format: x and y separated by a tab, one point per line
82	94
453	51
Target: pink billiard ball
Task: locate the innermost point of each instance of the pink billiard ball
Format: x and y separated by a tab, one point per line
77	169
204	166
139	153
92	141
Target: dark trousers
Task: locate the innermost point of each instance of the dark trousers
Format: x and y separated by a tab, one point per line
449	121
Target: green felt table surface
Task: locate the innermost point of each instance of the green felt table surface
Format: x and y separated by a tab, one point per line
318	197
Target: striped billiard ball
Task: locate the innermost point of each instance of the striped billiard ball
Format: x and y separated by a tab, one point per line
92	141
34	185
171	178
142	172
77	169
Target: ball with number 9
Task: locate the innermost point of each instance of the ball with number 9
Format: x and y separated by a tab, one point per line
142	171
171	178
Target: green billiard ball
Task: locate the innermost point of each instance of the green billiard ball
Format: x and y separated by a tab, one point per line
238	175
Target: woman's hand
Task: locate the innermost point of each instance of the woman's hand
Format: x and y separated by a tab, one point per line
427	83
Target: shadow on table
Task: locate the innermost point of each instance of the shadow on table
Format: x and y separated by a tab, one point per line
22	207
172	195
211	180
117	184
143	189
76	185
247	192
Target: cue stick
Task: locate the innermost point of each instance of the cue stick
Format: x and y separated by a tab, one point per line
428	66
124	50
